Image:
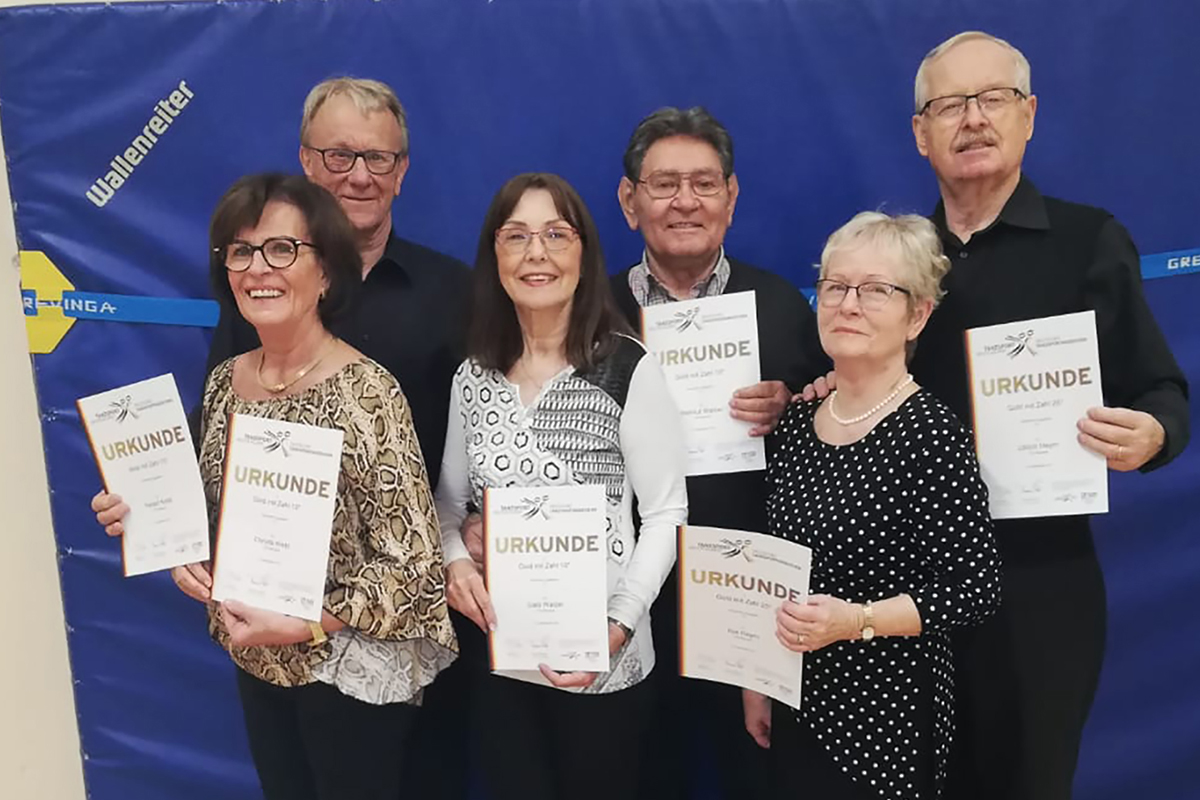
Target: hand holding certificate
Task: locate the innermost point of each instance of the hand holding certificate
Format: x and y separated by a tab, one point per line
140	439
731	583
277	515
546	573
1031	382
708	349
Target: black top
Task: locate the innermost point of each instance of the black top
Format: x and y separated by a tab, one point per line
1043	257
410	316
789	351
902	510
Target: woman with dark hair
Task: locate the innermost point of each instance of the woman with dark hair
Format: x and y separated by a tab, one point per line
328	705
555	392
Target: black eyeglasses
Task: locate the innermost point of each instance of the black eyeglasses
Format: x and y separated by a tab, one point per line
990	101
339	159
666	183
280	252
872	295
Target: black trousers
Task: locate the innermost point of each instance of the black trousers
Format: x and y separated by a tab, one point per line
442	725
315	743
698	727
540	743
1027	676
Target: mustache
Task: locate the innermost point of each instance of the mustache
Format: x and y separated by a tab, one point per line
972	139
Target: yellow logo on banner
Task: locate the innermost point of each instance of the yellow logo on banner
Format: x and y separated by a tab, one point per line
48	325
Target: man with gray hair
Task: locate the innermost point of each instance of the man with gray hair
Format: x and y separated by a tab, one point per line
1026	677
679	191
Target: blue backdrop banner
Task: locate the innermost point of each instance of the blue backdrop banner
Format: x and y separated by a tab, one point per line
124	123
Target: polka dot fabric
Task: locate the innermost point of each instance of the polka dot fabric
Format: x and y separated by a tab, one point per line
902	510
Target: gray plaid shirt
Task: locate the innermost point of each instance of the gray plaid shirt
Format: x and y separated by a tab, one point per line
649	292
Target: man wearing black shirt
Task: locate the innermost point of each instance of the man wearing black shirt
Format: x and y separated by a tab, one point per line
1026	677
679	192
409	315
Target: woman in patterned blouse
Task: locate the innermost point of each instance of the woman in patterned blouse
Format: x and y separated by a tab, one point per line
556	393
327	705
880	480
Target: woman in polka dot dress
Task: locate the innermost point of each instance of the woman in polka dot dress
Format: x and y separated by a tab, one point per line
880	480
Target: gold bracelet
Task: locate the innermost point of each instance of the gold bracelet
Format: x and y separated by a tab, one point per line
318	634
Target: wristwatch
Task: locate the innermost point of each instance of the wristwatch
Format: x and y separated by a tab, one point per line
318	634
624	628
868	628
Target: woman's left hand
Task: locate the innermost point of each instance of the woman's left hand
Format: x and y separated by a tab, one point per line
256	627
582	680
816	623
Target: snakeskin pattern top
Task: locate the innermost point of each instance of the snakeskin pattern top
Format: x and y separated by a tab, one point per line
385	560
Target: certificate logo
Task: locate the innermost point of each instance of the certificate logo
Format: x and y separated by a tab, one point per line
1020	343
123	408
688	319
729	548
276	441
535	506
119	410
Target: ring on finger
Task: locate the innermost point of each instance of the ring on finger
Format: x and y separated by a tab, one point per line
1120	452
799	638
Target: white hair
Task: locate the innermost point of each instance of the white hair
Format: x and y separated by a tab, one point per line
1020	64
911	239
368	96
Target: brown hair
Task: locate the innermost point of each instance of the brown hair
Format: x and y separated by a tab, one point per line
328	229
494	338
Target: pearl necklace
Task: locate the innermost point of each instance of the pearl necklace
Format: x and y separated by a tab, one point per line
882	403
278	388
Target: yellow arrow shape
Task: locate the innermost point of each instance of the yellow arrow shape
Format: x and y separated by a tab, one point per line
50	325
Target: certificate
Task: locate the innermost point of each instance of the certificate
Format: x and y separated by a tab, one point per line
708	349
547	574
1031	382
140	439
277	505
731	583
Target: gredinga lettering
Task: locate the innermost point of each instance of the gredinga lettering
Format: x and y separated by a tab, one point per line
706	352
282	481
142	444
1036	381
732	580
547	544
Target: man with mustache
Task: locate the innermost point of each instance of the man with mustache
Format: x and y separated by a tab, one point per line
1027	676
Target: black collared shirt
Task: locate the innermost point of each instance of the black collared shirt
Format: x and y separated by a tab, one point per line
1043	257
410	315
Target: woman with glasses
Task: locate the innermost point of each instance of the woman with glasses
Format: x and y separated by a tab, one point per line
328	706
554	392
880	480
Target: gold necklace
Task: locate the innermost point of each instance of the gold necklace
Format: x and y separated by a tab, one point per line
278	388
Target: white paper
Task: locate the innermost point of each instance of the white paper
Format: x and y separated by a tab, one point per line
708	349
277	506
140	439
1031	382
546	573
731	583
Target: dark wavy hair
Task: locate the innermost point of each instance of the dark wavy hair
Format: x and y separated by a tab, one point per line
337	250
494	337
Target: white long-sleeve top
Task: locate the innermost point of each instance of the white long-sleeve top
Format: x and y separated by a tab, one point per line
614	426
